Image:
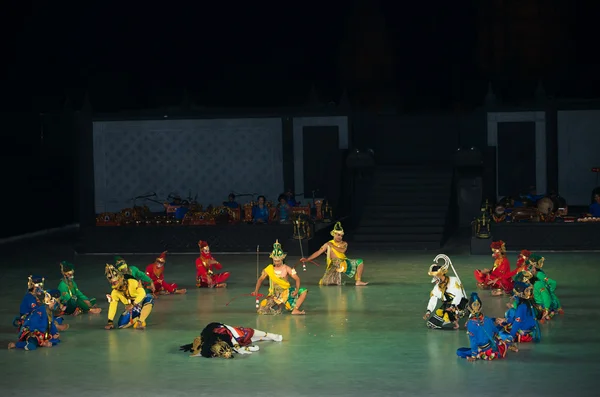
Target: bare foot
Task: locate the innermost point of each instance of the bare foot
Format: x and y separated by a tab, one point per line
46	344
456	326
11	345
360	283
95	310
497	292
181	291
298	312
222	285
514	348
62	327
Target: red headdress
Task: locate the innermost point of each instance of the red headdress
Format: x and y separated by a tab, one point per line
498	245
202	244
162	258
526	253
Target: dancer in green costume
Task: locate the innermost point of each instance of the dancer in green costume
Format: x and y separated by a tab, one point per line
135	273
536	262
71	297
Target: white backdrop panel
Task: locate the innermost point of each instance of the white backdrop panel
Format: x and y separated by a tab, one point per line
210	158
578	153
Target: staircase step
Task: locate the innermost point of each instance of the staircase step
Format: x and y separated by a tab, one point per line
400	229
395	246
415	221
391	237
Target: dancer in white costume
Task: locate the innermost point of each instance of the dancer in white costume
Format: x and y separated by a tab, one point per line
450	291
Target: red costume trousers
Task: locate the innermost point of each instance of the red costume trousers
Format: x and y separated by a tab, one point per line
216	278
506	284
161	285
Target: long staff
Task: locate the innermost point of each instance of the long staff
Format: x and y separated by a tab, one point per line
257	254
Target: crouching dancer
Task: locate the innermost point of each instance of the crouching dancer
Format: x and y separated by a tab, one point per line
138	304
222	340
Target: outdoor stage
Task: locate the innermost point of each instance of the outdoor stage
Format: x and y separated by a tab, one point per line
559	236
184	239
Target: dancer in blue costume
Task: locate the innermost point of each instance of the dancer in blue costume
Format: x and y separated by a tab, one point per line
38	328
521	317
483	338
32	299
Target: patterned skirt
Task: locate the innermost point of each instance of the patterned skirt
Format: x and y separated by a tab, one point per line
333	273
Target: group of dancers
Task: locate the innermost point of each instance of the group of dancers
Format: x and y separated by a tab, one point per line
533	301
42	312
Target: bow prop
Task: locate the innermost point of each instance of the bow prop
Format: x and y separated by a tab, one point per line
239	296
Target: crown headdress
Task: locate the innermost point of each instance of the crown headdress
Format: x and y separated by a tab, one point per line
337	229
498	245
277	253
537	261
475	304
111	273
33	281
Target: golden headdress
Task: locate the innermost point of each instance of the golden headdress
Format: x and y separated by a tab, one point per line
474	305
222	349
436	270
277	253
112	274
537	261
526	275
337	229
523	290
35	281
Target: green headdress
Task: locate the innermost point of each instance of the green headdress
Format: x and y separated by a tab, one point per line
277	253
66	267
120	263
537	261
337	229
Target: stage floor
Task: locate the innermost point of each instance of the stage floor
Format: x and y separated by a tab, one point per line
352	342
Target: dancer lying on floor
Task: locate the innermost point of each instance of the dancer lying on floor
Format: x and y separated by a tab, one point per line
222	340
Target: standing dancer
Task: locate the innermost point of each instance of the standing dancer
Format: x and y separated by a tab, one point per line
450	291
337	261
281	294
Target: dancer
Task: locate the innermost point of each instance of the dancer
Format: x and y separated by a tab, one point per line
499	279
70	294
59	311
536	262
135	273
522	263
544	304
281	294
484	343
34	295
337	261
449	290
38	329
138	304
205	266
222	340
156	272
521	317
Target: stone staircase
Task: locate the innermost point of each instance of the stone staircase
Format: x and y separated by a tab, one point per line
405	209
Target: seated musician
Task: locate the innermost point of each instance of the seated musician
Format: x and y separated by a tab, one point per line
291	198
260	212
283	209
231	203
595	206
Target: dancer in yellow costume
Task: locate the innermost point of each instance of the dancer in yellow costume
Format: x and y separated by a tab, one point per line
337	261
128	291
281	293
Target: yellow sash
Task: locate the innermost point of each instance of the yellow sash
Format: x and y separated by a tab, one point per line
339	255
274	279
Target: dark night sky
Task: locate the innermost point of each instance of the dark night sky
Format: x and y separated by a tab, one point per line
248	54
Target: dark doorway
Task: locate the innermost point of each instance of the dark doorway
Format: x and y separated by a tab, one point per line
322	162
516	158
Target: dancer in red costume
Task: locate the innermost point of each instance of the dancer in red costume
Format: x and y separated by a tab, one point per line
498	279
156	272
205	266
522	263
